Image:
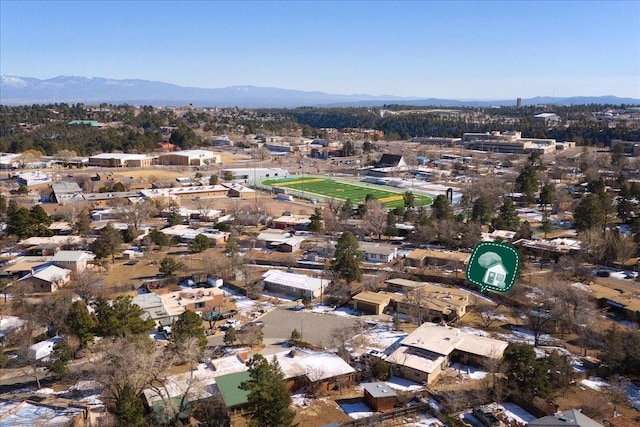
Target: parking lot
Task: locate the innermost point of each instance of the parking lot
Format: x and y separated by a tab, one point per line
315	328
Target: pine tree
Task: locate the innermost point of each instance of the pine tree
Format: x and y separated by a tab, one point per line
268	396
441	208
482	210
508	218
80	322
188	325
348	258
129	408
315	226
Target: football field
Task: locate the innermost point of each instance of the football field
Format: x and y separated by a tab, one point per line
340	190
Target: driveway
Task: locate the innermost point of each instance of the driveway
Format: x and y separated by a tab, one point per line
315	328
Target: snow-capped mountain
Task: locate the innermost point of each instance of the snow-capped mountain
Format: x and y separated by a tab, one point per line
16	90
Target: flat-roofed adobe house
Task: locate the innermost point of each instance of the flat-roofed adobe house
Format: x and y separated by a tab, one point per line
371	302
431	302
296	222
424	257
295	285
427	351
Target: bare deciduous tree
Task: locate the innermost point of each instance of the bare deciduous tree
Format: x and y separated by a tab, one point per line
84	282
135	214
375	217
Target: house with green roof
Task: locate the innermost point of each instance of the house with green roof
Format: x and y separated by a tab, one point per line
229	386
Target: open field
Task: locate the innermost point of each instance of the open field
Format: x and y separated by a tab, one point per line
330	188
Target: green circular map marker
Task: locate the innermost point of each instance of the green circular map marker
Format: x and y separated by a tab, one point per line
494	266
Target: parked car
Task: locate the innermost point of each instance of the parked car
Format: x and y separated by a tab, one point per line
230	324
374	353
229	314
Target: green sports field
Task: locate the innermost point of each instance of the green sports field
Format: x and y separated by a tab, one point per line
330	188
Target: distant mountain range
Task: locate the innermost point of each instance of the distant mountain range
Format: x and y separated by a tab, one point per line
15	90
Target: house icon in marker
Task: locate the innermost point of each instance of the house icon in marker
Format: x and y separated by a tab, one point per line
495	275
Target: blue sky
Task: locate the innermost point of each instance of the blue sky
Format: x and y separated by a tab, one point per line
462	49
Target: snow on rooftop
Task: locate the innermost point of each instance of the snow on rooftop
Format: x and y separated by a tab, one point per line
516	413
315	365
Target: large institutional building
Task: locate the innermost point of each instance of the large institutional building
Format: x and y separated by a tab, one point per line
507	142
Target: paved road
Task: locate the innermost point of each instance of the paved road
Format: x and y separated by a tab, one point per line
315	328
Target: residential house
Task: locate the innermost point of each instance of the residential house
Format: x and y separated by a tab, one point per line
431	302
272	238
239	191
427	351
197	300
379	396
620	421
193	192
566	418
186	234
234	397
319	370
429	257
499	235
371	302
292	244
165	308
39	413
45	278
295	285
378	252
60	242
76	261
295	222
61	228
548	249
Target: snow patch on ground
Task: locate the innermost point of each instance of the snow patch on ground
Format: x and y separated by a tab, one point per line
599	384
474	331
300	400
580	286
469	372
423	420
381	339
9	323
595	383
633	394
525	336
356	410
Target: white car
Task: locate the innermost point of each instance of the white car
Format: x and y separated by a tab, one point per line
374	353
